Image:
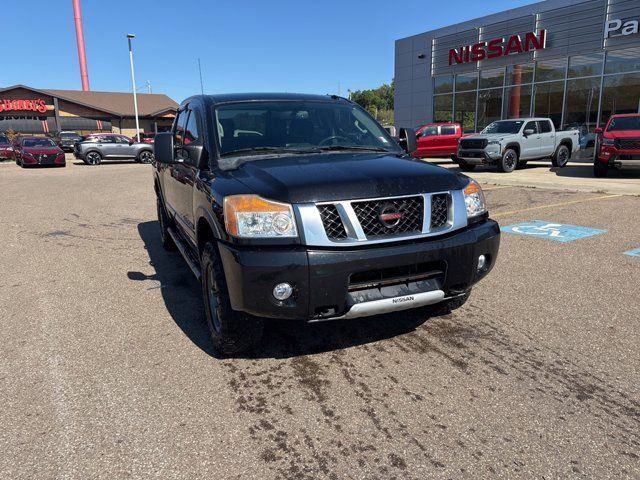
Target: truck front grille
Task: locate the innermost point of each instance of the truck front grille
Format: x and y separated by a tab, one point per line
332	222
440	210
628	143
473	144
371	215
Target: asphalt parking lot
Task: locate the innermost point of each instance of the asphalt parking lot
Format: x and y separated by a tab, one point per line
107	372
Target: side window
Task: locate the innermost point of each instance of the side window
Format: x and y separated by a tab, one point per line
448	130
191	131
180	127
430	131
531	126
545	126
121	140
105	140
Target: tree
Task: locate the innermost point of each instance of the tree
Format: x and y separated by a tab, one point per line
378	102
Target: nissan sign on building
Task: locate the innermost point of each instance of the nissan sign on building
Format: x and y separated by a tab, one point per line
576	62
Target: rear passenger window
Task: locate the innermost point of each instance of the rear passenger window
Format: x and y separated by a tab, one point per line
448	130
545	126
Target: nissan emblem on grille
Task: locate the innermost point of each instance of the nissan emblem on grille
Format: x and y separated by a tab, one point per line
390	217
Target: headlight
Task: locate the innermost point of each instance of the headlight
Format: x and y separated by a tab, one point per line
474	200
250	216
493	142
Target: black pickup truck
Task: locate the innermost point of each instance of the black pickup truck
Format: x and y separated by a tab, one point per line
303	207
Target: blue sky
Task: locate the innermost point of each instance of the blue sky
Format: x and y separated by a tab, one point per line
250	45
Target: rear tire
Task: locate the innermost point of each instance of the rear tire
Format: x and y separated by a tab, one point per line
145	156
561	157
231	332
509	161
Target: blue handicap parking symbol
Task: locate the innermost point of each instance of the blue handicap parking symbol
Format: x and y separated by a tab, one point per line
633	253
552	231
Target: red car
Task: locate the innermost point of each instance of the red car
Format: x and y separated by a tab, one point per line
617	144
6	151
32	151
438	140
146	137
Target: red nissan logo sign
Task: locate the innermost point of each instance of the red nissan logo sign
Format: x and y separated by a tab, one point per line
498	47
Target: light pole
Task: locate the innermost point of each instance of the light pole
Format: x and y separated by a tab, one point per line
133	82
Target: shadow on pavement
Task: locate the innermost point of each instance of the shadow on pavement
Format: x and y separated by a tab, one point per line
282	339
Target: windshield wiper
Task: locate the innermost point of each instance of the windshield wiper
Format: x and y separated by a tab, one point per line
353	147
259	150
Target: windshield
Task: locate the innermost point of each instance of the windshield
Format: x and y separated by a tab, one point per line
624	123
69	135
37	142
247	128
504	126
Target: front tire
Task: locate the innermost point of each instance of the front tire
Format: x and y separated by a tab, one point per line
509	161
93	158
600	169
163	220
231	332
561	157
145	156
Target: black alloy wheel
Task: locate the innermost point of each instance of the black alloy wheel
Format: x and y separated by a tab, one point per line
561	158
509	161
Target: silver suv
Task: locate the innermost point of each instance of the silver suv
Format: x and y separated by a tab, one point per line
97	148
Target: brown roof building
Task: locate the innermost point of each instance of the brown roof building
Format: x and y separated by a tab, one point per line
30	110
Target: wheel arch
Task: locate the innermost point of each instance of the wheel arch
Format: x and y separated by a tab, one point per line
206	229
514	146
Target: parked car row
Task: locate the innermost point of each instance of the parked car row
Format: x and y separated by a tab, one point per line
510	144
92	149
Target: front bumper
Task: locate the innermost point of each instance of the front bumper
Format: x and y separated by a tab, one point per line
479	157
619	158
330	283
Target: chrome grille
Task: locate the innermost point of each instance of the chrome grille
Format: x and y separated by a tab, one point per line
369	215
473	144
440	210
628	143
332	222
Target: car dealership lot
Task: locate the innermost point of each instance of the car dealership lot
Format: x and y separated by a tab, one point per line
107	371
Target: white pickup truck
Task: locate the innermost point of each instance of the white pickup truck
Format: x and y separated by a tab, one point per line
509	144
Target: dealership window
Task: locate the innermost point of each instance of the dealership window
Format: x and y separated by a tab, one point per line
489	106
519	74
443	84
551	69
619	61
517	101
581	106
585	65
620	94
465	111
466	81
443	108
548	101
492	78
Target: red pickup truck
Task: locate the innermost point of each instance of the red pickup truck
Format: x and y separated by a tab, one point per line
438	140
617	144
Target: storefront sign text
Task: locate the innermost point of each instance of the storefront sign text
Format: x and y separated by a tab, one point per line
498	47
36	105
619	28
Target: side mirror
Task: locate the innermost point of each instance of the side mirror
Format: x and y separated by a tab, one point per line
599	130
528	131
407	140
163	148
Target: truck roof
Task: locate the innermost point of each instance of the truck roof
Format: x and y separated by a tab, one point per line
249	97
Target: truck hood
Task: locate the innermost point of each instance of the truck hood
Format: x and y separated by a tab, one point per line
330	177
488	136
622	134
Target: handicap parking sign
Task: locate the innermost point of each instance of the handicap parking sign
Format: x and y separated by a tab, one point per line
553	231
633	253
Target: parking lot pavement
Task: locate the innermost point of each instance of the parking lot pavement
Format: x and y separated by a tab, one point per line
106	370
576	176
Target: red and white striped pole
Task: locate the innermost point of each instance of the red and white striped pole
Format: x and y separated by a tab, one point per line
82	58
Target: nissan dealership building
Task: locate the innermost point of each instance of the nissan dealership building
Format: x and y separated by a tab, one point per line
576	62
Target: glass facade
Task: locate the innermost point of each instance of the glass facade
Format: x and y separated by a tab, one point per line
580	91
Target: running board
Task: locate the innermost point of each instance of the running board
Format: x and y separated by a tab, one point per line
185	251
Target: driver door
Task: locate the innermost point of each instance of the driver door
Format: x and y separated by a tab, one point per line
427	142
530	143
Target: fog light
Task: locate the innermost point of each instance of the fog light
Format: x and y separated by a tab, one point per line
482	262
282	291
